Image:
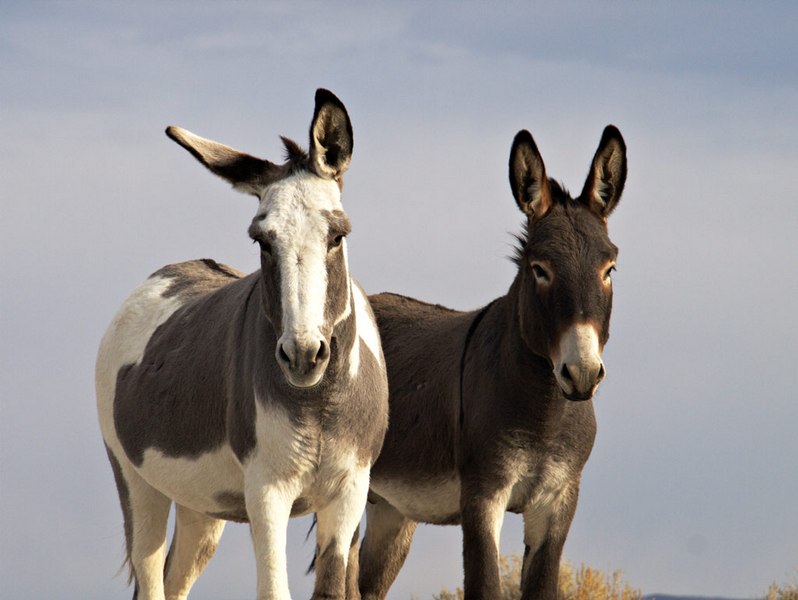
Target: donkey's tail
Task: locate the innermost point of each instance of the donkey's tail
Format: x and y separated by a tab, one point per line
312	566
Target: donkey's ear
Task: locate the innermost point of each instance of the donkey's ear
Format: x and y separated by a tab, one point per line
528	177
248	174
331	138
607	175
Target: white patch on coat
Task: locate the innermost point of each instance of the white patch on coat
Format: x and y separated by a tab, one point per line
579	349
299	234
354	355
550	482
436	501
285	466
195	482
280	466
366	327
124	343
348	308
339	518
496	509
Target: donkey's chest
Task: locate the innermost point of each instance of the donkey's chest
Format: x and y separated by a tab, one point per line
303	455
538	485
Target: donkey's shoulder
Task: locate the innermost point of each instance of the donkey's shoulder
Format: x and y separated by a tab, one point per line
196	277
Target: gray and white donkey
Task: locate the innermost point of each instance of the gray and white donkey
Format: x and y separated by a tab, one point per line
250	398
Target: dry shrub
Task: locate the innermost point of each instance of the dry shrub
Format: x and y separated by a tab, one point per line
591	584
585	583
786	592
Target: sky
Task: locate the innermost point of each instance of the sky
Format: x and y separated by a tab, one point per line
692	484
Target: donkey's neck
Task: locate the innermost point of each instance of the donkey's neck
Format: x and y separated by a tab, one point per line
522	372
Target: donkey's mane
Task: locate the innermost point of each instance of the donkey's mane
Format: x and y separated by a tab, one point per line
559	195
296	156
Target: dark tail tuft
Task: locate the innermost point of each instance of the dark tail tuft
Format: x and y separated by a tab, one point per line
312	566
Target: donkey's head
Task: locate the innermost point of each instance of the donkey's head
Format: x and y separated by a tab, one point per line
565	261
300	227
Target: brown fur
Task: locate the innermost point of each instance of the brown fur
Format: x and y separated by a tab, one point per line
509	430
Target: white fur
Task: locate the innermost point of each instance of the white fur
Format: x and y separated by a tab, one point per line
366	327
275	475
149	540
299	234
293	208
195	482
366	331
552	479
496	509
348	309
430	502
124	343
579	349
285	466
338	520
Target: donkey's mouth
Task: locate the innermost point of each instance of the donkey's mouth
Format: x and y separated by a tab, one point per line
305	381
575	396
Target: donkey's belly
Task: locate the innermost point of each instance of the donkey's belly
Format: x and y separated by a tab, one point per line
435	501
211	483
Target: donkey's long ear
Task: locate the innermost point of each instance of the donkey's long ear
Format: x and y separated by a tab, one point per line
528	177
607	175
331	138
248	174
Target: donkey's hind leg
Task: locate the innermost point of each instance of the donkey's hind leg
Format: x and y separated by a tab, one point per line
193	544
146	511
385	548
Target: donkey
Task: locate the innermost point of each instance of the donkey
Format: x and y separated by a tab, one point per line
249	398
491	410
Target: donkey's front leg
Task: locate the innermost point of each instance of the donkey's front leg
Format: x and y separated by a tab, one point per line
337	523
482	517
545	530
269	508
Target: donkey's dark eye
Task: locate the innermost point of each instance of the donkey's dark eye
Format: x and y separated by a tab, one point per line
608	272
336	241
540	273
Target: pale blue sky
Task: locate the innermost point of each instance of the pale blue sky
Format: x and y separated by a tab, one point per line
692	484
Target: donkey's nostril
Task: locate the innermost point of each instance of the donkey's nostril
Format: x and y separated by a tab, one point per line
601	373
283	355
323	352
566	374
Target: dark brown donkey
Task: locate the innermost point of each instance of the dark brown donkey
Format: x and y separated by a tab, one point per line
491	410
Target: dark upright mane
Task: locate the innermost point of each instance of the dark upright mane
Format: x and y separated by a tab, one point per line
559	196
295	155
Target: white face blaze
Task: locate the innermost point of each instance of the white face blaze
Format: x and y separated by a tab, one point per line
296	225
578	367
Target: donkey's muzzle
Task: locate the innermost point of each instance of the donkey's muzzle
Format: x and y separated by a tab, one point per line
578	367
303	361
579	382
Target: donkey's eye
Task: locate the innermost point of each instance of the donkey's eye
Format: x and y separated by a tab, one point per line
608	273
540	273
336	241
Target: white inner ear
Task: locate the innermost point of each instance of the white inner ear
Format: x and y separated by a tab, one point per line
535	205
529	164
328	121
609	164
601	189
